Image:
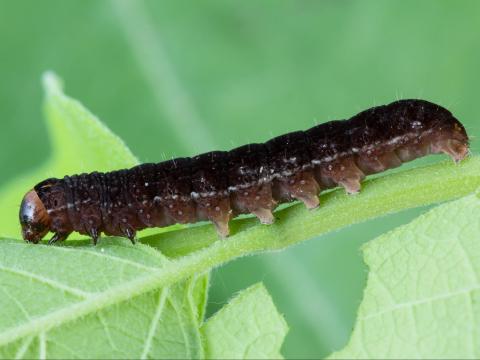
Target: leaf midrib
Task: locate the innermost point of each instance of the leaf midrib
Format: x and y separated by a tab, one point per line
53	283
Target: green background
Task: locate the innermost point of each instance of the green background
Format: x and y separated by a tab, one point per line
181	77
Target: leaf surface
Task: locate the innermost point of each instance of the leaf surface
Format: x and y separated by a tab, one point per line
249	327
118	300
422	298
65	308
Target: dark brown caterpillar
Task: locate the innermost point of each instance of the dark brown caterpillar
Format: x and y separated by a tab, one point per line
254	178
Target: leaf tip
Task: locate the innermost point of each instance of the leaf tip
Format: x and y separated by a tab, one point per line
52	83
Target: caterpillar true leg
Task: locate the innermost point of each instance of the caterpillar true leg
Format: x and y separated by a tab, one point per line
58	237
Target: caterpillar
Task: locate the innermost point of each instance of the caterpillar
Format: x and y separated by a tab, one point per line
254	178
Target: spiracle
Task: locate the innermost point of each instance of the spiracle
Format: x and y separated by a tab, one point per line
253	178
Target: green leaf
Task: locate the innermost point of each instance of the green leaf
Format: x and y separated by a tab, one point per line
422	298
249	327
39	297
80	143
127	302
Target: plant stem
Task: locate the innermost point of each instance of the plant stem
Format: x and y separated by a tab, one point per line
388	194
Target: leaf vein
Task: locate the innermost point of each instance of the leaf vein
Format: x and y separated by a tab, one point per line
23	349
52	283
153	325
421	301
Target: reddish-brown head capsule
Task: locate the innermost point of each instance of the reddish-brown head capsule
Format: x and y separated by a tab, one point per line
34	218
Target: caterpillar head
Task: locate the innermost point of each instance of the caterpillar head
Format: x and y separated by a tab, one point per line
34	218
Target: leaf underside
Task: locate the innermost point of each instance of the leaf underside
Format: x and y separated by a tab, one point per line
422	298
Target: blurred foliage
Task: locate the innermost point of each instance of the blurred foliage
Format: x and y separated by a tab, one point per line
177	78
